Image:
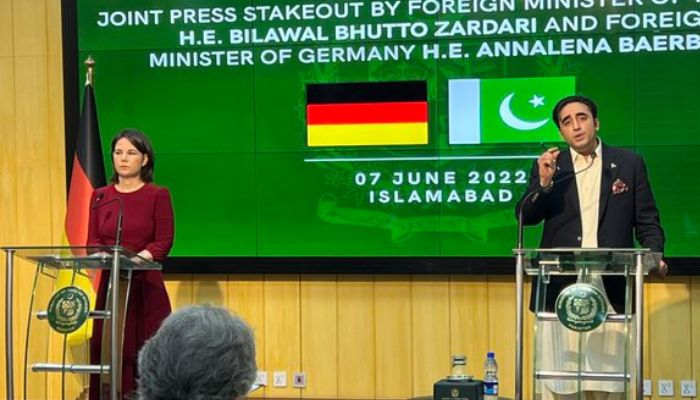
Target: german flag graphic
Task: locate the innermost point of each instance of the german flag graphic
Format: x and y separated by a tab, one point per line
367	114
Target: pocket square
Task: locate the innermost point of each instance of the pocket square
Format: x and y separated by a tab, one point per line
619	186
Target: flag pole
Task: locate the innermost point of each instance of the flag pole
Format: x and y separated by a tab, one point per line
89	75
87	175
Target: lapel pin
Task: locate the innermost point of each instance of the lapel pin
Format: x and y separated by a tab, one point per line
619	186
613	165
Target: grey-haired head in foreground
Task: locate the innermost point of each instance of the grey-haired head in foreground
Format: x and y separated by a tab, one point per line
199	353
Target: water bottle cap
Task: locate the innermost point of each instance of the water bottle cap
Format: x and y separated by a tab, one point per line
490	354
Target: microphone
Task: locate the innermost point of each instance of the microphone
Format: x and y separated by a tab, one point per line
98	204
539	190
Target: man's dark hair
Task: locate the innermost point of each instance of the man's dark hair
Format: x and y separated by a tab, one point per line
198	353
142	144
592	107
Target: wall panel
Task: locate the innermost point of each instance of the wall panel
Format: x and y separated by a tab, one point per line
29	27
282	331
6	31
33	202
210	289
468	320
393	358
356	337
501	323
8	169
695	329
319	336
179	288
246	298
431	334
670	330
56	151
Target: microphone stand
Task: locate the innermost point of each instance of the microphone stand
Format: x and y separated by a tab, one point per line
115	359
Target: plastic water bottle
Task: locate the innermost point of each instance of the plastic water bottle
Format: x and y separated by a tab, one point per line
490	377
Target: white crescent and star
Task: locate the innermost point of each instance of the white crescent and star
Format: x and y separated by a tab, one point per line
516	123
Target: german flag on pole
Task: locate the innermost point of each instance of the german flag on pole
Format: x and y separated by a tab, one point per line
367	114
88	171
88	174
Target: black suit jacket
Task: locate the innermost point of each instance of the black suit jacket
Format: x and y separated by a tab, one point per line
621	216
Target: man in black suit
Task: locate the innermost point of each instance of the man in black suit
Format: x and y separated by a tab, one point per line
590	195
624	203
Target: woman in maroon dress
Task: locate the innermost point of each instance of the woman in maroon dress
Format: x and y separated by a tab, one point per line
147	229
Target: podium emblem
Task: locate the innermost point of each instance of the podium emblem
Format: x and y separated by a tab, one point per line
581	307
68	309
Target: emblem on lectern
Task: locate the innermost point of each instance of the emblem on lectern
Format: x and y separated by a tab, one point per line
581	307
68	309
454	392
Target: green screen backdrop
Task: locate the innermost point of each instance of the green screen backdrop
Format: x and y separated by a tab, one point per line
221	89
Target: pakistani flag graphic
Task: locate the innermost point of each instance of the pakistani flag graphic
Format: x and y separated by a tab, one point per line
512	110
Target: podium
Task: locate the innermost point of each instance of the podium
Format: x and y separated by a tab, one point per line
47	351
582	317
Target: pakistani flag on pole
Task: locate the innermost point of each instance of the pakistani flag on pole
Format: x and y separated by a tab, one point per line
511	110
